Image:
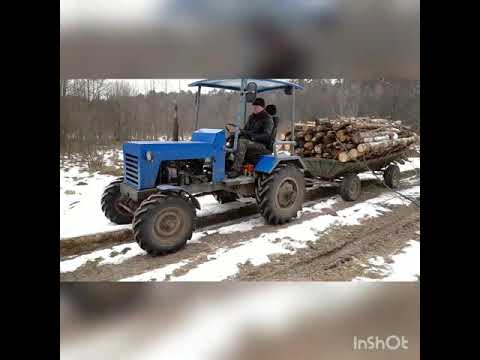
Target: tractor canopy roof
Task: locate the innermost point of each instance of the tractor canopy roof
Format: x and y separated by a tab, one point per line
263	85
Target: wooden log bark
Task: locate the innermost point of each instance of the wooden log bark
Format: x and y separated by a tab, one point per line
342	136
373	136
318	137
343	157
299	134
381	145
347	139
353	154
308	136
308	145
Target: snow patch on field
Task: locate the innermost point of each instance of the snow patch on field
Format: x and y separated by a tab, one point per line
210	206
81	213
411	164
240	227
115	255
405	265
157	274
81	192
319	206
126	251
224	262
80	210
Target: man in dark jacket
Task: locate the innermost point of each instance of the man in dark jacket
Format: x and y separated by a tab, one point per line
255	137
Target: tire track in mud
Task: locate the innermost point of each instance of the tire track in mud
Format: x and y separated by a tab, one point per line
198	252
342	253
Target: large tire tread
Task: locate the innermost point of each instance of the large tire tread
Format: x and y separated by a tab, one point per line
110	195
142	233
264	194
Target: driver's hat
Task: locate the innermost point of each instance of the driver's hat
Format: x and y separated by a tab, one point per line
259	101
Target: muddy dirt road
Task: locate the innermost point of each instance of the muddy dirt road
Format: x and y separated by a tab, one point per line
330	240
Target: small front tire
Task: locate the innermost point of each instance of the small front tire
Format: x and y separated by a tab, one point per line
111	204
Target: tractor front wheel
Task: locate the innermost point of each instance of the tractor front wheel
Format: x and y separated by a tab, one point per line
113	204
280	195
163	223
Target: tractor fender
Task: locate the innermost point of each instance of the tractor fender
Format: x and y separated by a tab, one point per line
179	190
267	163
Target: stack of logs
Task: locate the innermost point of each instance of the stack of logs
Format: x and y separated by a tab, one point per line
348	139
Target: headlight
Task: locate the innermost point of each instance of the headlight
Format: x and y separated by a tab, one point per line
149	155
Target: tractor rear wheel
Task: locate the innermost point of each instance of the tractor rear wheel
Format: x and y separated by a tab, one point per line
350	187
113	202
163	223
224	197
391	176
280	195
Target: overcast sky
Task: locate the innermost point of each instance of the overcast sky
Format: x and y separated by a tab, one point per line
145	85
170	85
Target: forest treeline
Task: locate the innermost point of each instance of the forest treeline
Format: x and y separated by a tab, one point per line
104	112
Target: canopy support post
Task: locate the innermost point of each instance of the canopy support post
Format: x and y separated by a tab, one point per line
197	106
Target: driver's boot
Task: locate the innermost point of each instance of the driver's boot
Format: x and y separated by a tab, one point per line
237	166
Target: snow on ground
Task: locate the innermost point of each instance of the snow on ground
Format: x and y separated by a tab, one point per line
210	206
80	195
224	262
411	164
240	227
114	255
405	266
81	192
128	250
157	274
80	209
81	214
119	253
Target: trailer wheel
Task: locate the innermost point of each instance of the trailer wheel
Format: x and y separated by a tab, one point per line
350	187
224	197
111	204
391	176
280	195
163	223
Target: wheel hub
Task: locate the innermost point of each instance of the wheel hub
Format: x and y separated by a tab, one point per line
287	193
355	188
168	222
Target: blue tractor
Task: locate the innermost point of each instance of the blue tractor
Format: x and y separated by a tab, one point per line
162	179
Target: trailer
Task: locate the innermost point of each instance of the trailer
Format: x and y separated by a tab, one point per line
345	174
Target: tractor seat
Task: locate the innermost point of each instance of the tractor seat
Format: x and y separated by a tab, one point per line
272	110
276	121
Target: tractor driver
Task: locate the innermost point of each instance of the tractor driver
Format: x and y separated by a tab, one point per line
255	138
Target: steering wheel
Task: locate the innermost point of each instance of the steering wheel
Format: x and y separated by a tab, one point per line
230	128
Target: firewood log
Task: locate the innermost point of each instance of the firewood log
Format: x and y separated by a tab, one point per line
308	145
